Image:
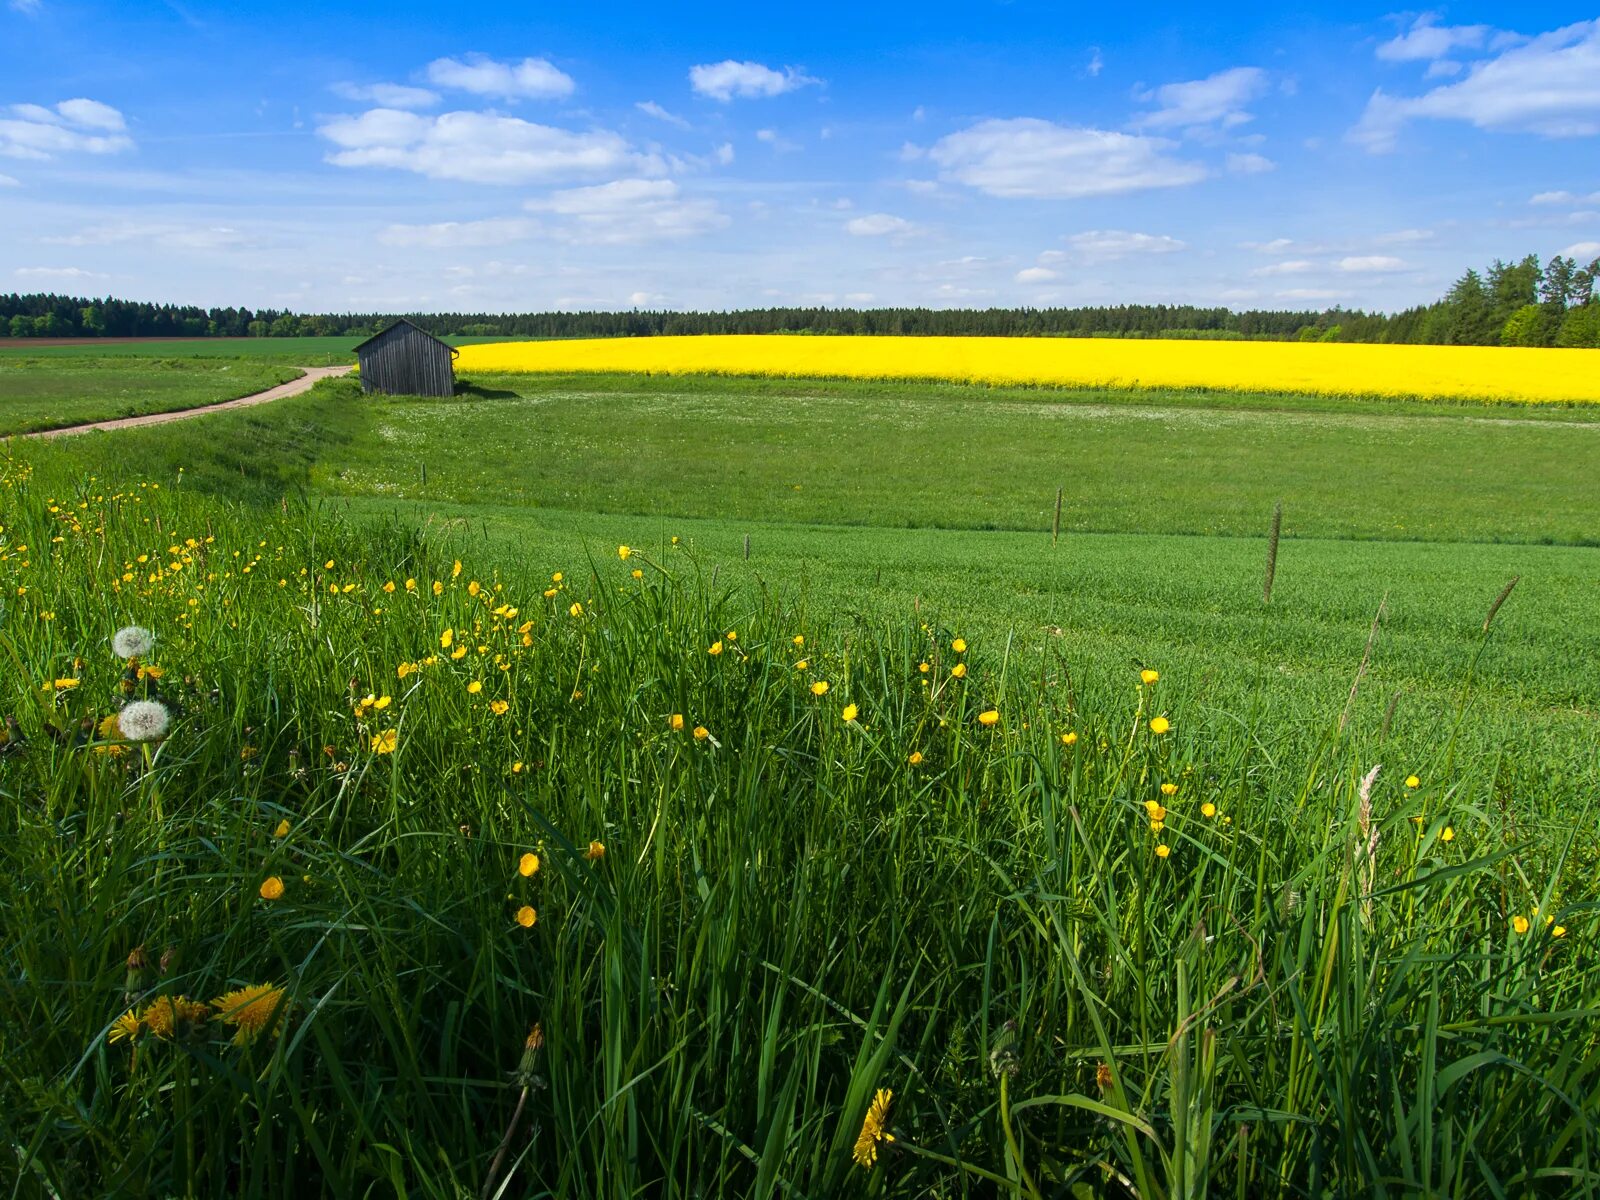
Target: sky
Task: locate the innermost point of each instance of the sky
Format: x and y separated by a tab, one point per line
428	157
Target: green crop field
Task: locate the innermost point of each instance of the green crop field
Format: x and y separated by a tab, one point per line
45	393
755	746
296	351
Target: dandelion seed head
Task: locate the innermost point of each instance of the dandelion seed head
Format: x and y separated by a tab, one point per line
132	641
144	721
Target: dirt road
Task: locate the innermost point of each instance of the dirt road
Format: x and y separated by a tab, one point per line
293	388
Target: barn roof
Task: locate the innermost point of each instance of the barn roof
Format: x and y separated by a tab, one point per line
395	325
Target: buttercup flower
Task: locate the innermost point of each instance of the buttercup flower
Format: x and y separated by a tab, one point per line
1148	676
675	722
849	713
819	688
527	865
914	757
1163	850
1413	782
526	916
1159	724
959	645
624	553
1519	923
272	888
991	717
595	852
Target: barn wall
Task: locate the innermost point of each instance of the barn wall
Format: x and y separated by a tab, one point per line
405	361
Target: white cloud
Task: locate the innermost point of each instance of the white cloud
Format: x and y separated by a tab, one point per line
779	143
1582	250
1443	68
495	231
1096	63
1371	264
1549	85
1310	294
1029	157
727	79
9	181
1290	266
1036	275
1402	237
652	109
388	95
479	147
724	153
1107	244
73	126
532	78
629	210
640	299
1425	40
1250	164
61	273
27	8
1216	99
169	236
1275	246
1567	199
879	225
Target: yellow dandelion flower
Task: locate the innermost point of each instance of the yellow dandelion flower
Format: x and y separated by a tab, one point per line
1519	923
959	670
701	733
385	742
272	888
873	1129
1148	676
849	714
714	649
595	852
124	1027
527	865
990	717
1163	850
675	722
819	688
252	1011
959	645
1208	809
526	916
1159	724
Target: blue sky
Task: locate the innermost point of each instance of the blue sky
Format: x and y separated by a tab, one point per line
407	156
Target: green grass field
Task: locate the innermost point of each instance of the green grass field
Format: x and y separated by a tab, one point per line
296	351
45	393
1090	952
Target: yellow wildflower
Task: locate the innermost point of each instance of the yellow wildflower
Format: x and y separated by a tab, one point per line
576	610
384	743
1163	850
959	645
990	717
959	670
1148	676
914	757
1169	789
1413	782
1069	738
252	1011
714	649
849	713
873	1129
675	722
474	687
447	639
282	830
1519	923
124	1027
1159	724
498	707
1447	834
526	916
701	733
819	688
272	888
624	552
595	852
527	865
1208	809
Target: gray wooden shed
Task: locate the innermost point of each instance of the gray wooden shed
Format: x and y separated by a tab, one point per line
405	360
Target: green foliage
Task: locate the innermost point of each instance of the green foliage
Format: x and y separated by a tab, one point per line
1319	991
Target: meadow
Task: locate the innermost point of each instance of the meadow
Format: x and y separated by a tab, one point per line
46	393
557	800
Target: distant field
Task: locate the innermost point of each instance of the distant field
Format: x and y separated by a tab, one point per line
1332	369
300	351
50	392
950	456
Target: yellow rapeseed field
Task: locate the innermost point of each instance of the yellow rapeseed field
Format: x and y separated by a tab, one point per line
1467	372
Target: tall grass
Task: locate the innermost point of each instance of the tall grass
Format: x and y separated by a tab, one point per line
1306	996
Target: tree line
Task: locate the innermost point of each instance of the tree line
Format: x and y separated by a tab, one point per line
1510	304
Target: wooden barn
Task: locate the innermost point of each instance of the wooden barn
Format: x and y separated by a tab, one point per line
404	360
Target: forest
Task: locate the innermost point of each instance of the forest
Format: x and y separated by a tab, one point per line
1519	303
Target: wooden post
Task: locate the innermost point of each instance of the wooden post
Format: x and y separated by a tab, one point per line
1055	529
747	547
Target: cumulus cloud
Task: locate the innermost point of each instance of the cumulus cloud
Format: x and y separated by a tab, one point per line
74	126
652	109
387	95
531	79
1289	266
1427	40
1107	244
1250	164
879	225
1036	275
1548	85
1582	250
1370	264
1029	157
1218	99
495	231
629	210
480	147
1565	199
727	79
